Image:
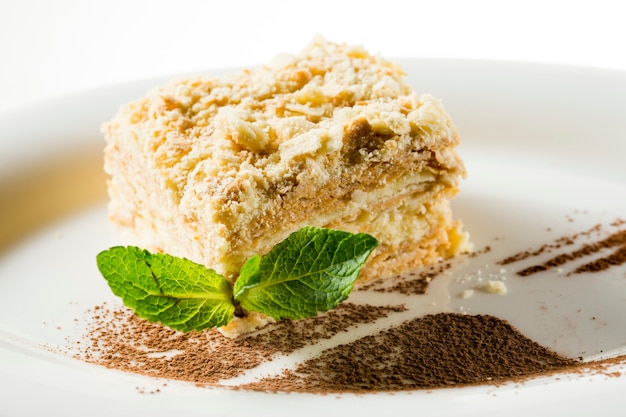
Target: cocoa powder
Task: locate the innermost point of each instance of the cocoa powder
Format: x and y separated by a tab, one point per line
118	339
615	241
549	247
435	351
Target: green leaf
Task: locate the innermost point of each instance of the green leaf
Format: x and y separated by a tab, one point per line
179	293
312	270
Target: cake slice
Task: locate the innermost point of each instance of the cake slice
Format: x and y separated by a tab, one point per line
216	169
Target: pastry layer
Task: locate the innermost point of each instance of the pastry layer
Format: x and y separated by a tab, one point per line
216	169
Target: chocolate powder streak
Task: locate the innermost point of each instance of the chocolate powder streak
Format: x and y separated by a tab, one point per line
615	242
435	351
411	283
118	339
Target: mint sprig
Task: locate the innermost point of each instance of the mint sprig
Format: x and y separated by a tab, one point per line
313	270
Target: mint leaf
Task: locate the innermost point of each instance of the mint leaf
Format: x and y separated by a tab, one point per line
312	270
177	292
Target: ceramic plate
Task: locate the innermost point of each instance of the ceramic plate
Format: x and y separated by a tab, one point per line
544	147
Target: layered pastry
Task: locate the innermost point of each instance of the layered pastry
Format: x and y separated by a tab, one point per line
216	169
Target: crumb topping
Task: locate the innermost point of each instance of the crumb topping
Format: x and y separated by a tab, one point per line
217	168
260	132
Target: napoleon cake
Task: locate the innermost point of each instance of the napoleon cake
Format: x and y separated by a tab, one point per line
216	169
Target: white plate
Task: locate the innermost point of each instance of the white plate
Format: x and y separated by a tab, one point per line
544	146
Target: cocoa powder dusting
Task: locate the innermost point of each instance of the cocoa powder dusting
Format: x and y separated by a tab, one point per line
435	351
413	283
119	339
549	247
615	241
410	283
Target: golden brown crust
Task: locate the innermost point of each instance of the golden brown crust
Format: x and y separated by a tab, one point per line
215	169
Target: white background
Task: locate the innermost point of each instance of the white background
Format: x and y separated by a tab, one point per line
49	48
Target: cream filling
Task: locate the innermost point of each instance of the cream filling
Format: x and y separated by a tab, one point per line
412	195
182	235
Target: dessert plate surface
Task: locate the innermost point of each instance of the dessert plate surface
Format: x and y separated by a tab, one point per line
544	147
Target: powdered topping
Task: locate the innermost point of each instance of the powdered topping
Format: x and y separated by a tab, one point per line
615	243
119	339
435	351
359	347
